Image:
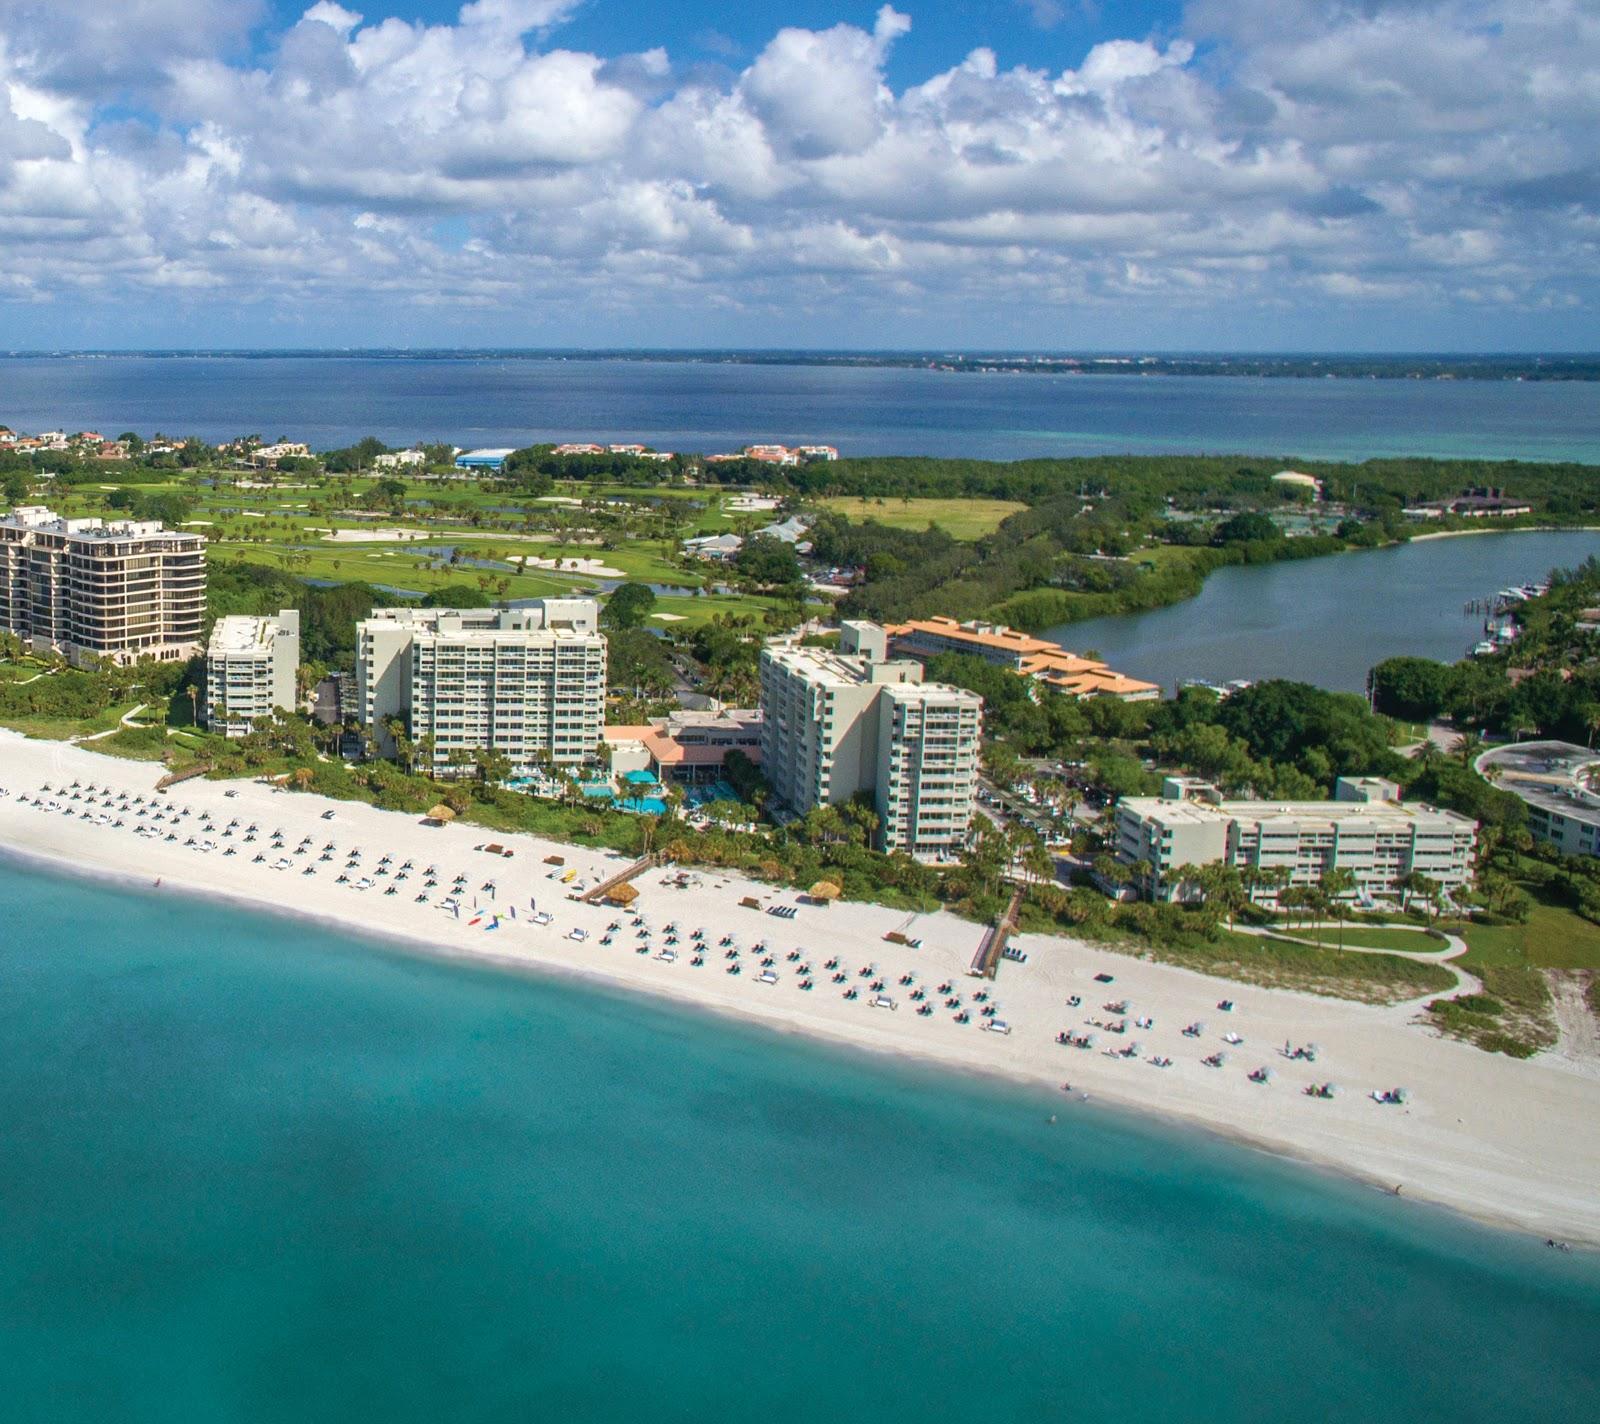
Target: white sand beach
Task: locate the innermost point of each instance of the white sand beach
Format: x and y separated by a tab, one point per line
1510	1142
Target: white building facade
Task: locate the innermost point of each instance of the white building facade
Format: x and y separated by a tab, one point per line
1365	830
528	683
250	671
88	588
836	724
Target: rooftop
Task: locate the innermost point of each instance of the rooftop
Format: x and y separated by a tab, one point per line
1549	775
1325	814
244	633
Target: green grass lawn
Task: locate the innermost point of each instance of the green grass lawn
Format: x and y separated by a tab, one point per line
58	729
1285	964
959	518
1380	937
1553	938
1514	1014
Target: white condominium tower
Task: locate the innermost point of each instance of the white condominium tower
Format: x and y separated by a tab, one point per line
88	588
250	670
838	723
529	683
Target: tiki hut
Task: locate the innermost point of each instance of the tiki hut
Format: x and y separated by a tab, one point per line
440	815
824	891
622	895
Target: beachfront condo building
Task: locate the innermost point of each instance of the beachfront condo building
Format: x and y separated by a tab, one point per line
528	683
1030	657
1365	829
250	671
88	588
835	724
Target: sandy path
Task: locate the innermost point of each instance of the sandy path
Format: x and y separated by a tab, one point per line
1508	1141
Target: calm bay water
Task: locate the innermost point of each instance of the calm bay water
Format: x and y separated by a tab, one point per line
255	1172
1328	621
331	402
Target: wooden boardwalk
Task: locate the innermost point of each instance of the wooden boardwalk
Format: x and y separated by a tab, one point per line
622	877
987	960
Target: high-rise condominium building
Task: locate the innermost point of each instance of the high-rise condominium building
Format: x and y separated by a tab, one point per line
835	724
250	670
528	683
89	588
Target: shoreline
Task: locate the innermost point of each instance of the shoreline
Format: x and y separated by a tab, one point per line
1523	1164
1043	628
1520	529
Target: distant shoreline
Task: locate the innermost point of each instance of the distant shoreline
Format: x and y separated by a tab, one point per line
1491	366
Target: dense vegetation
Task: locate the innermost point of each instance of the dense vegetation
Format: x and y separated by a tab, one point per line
1546	682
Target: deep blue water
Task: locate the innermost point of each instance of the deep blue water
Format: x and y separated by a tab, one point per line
707	407
1328	621
255	1172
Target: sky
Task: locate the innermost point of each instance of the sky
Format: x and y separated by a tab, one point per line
1002	175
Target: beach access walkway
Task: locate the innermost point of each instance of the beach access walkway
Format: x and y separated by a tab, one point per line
986	961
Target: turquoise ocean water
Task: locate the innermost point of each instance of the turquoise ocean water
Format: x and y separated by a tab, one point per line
253	1171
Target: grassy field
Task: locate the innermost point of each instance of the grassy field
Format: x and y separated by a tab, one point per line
1382	937
959	518
1514	1013
1285	964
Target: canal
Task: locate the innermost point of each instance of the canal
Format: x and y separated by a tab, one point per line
1328	620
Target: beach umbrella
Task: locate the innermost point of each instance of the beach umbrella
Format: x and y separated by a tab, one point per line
825	890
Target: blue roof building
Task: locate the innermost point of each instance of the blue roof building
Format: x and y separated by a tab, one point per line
481	459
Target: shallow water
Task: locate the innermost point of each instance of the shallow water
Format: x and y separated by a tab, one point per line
257	1172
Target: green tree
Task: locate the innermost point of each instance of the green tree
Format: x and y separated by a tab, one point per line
629	606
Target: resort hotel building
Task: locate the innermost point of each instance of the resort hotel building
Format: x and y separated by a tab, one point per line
250	670
1035	658
1365	829
688	748
526	682
88	588
835	724
1557	782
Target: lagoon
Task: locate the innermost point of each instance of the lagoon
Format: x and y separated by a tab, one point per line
1328	620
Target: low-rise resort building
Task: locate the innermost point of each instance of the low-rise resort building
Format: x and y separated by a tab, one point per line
1043	661
1557	782
687	748
1365	830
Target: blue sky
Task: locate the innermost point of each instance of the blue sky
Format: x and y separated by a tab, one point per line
1002	174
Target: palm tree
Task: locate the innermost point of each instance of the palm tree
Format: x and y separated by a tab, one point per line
1337	884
